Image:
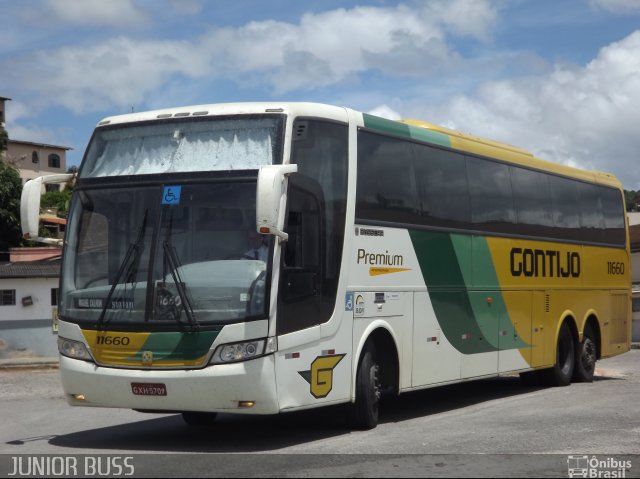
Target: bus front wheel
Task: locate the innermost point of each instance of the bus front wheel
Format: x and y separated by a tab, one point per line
364	412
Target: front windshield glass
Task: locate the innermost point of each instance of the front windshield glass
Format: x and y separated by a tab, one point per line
202	144
172	254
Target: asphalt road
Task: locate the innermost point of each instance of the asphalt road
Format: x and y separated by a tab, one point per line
496	428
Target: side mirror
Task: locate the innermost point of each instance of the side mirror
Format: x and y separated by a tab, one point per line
271	199
30	206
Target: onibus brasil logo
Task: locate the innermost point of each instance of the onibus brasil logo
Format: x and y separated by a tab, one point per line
585	466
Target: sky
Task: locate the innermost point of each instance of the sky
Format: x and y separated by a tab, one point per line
559	78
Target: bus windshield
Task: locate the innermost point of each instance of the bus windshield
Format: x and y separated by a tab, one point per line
174	243
185	254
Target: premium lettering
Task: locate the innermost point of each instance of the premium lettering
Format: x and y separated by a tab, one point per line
544	263
379	259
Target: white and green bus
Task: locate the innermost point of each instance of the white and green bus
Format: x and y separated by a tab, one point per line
269	257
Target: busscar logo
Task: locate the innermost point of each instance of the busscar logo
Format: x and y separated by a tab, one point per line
320	376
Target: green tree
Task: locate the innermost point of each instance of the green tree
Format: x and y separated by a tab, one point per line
10	191
632	199
60	199
4	138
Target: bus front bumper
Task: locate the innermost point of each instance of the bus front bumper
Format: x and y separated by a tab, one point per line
230	388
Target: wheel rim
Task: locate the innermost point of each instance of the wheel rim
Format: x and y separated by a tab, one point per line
375	389
588	354
565	354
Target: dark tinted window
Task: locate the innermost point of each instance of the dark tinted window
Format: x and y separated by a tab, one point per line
590	207
442	182
613	215
531	197
410	183
565	197
386	181
490	194
316	220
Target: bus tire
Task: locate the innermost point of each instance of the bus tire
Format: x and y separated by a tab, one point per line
364	412
199	419
562	372
586	357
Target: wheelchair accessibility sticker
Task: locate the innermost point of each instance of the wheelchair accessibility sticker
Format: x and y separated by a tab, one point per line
348	303
171	195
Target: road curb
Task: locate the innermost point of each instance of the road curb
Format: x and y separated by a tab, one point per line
14	363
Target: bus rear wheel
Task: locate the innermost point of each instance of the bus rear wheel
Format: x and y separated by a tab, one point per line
199	419
586	357
364	412
562	372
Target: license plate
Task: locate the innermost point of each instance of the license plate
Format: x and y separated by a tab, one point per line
149	389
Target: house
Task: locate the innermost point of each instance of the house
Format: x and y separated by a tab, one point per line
28	304
33	159
37	159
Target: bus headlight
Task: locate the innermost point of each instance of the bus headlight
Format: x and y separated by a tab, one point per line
232	353
73	349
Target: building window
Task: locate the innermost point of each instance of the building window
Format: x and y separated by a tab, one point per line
54	161
54	296
51	188
7	297
34	157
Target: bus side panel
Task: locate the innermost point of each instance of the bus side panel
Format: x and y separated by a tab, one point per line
435	360
312	372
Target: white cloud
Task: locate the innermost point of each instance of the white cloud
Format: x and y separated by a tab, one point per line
617	6
115	13
385	111
585	116
117	72
322	49
335	46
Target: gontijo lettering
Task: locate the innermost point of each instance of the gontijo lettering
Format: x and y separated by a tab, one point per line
544	263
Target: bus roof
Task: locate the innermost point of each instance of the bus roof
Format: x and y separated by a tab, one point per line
512	154
218	109
454	139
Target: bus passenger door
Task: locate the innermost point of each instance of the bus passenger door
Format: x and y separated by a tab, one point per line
309	369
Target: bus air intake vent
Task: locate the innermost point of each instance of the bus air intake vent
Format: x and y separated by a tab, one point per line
300	130
547	303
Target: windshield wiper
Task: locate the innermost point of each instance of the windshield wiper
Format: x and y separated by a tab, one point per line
135	249
171	259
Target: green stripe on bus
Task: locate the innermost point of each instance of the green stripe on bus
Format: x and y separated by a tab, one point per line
180	346
448	292
407	131
499	325
474	321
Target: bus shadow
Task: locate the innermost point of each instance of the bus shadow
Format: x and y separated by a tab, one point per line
229	433
243	434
